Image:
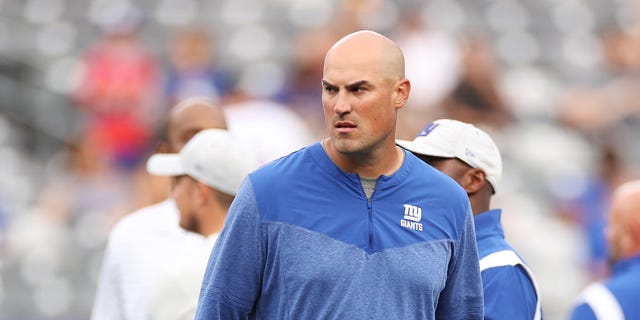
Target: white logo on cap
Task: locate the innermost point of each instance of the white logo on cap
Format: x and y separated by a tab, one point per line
469	153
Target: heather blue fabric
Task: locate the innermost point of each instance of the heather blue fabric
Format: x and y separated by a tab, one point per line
508	290
301	241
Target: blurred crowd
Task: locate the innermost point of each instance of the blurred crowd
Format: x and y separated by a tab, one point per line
556	84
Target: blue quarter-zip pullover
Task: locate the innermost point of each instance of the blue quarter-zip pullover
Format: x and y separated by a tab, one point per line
302	241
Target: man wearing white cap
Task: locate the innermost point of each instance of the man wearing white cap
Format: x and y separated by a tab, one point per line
469	156
143	241
207	174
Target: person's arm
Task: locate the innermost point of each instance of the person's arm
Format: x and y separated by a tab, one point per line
597	302
508	293
108	302
582	312
462	296
233	278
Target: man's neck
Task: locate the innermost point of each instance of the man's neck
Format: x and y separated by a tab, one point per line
367	165
212	221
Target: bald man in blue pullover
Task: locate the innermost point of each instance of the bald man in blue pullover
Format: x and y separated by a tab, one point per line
352	227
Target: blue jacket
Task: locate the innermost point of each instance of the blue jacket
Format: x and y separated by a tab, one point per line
301	241
618	298
509	286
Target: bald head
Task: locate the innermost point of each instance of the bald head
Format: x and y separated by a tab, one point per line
626	204
364	86
370	50
189	117
624	221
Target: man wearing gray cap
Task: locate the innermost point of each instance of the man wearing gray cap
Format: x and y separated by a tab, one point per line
469	156
207	174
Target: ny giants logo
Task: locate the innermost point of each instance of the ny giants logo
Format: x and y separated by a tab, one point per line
412	217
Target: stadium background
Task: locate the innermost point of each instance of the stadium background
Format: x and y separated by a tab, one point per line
566	72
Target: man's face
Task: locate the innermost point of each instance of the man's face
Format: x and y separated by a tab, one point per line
615	234
623	227
361	97
184	194
357	99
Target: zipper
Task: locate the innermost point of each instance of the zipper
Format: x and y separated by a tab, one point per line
370	217
369	212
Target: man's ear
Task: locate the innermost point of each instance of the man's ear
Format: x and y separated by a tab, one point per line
402	93
203	193
474	180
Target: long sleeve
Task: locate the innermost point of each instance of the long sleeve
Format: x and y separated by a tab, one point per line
301	241
582	312
108	304
232	281
462	297
508	293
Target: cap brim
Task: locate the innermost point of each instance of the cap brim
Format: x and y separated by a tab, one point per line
165	165
423	149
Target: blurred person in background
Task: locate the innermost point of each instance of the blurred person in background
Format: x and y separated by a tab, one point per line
206	176
621	47
600	107
62	233
193	69
622	85
469	156
434	64
118	87
144	241
272	129
301	93
605	112
607	104
83	180
308	249
476	97
598	112
617	296
588	207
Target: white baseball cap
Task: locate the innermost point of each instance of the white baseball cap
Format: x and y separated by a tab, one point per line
448	138
212	156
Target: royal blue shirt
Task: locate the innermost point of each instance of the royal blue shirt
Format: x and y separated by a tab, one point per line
509	291
302	241
620	294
